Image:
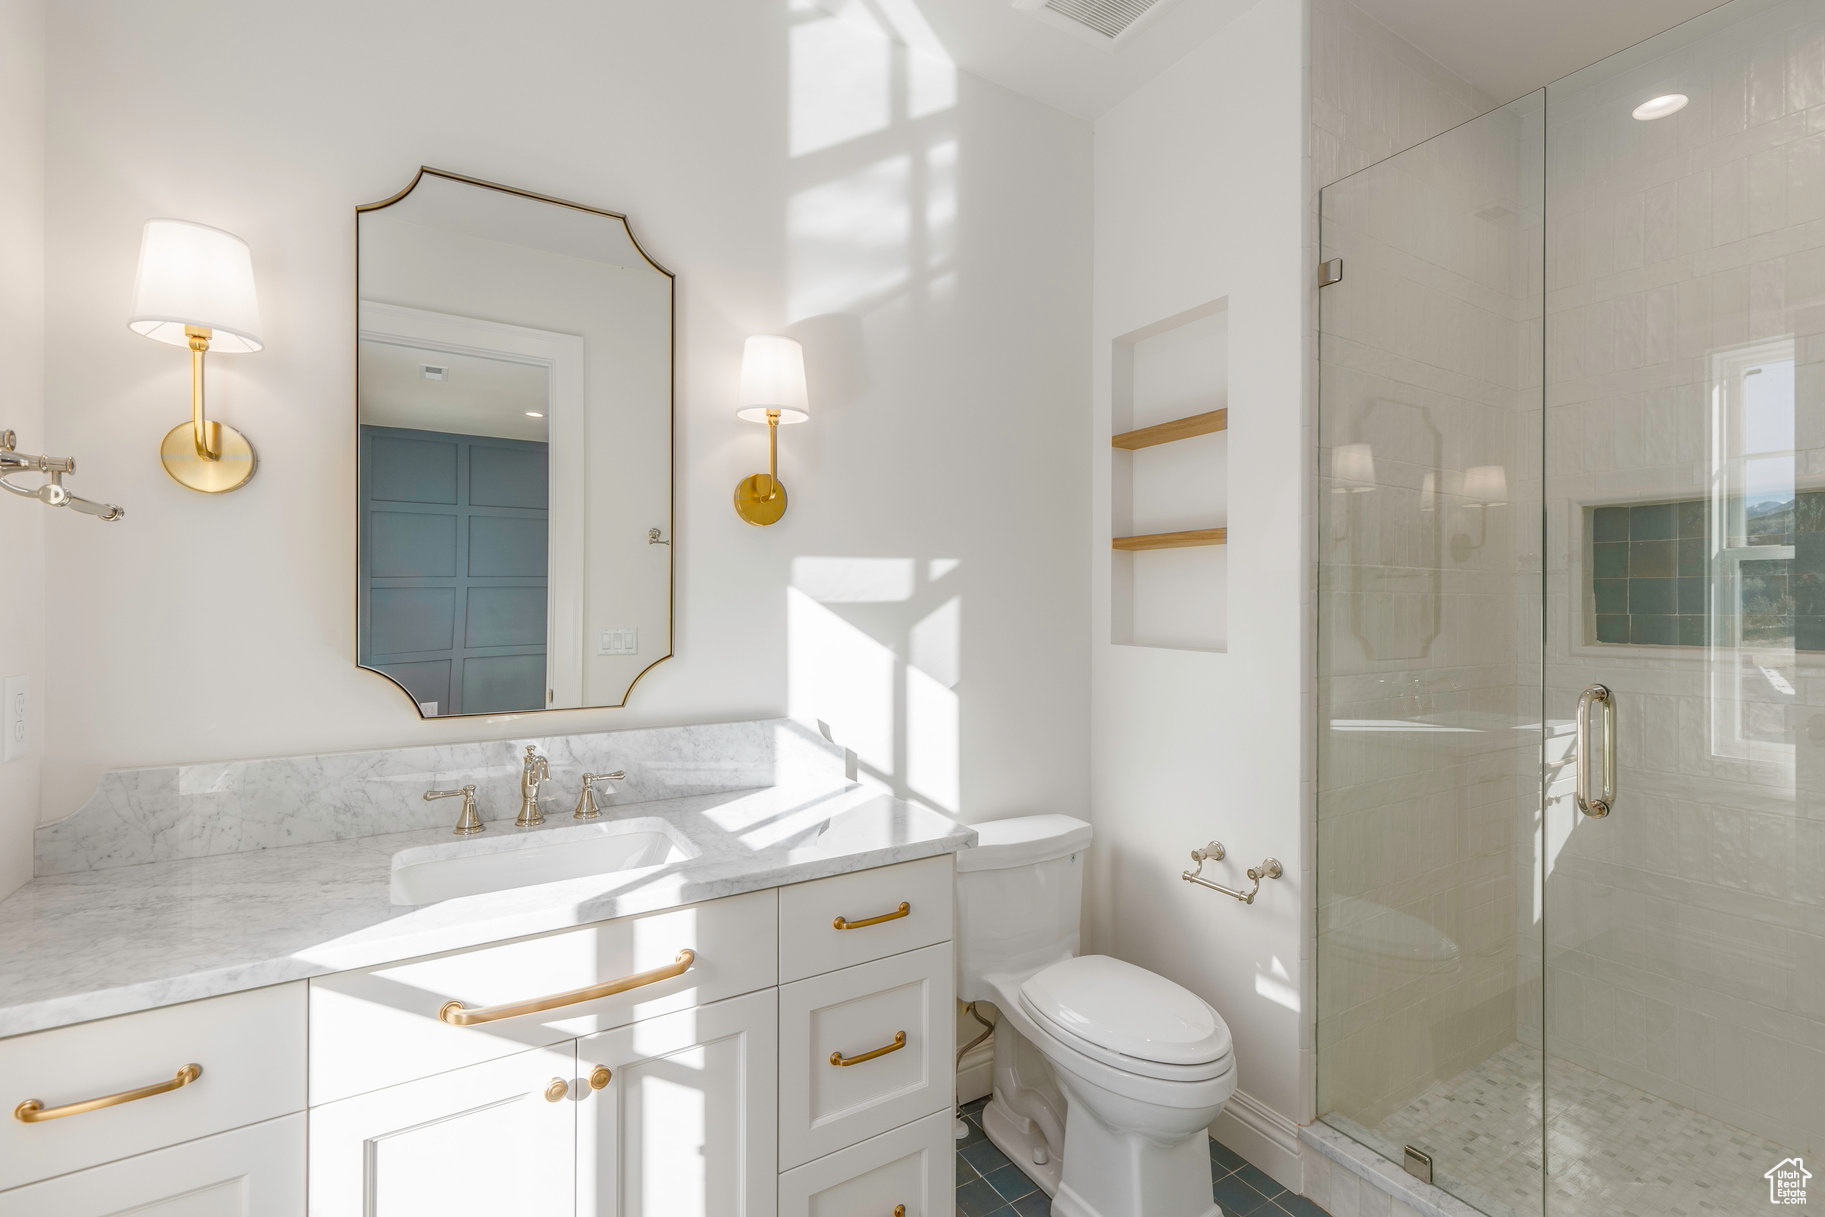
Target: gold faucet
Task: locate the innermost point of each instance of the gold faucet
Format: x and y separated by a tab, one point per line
586	798
532	773
468	822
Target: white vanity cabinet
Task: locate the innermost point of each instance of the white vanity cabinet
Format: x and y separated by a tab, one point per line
678	1115
778	1053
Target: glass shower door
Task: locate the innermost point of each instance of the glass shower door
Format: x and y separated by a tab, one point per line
1429	678
1685	495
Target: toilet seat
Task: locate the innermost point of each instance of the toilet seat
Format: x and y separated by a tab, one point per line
1128	1018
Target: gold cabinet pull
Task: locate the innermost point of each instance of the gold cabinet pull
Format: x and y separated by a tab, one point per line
899	1042
452	1012
600	1077
556	1089
843	923
32	1111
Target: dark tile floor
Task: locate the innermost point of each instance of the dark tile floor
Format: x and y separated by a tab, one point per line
988	1185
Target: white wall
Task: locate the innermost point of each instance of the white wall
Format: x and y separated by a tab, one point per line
23	524
925	233
1200	193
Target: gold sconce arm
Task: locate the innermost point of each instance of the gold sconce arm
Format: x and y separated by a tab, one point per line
205	435
760	499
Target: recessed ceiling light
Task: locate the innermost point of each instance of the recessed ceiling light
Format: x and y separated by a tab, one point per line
1660	107
534	414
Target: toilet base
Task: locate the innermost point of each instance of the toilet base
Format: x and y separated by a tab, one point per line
1020	1138
1067	1203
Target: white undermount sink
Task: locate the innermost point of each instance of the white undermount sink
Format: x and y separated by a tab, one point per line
504	858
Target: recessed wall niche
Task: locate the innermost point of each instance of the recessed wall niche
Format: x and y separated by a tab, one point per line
1169	501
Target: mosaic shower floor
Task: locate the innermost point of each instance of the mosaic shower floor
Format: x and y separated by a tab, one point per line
988	1185
1615	1151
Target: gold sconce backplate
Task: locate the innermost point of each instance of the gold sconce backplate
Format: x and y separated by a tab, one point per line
760	499
229	471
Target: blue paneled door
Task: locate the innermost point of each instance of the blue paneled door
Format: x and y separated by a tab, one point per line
453	568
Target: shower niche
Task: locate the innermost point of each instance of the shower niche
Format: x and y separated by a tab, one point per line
1169	482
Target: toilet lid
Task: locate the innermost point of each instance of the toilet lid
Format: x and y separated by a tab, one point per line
1125	1010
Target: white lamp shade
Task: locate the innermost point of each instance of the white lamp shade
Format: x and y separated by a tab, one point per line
1487	485
773	378
195	275
1353	466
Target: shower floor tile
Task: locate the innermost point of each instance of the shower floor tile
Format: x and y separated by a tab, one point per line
988	1185
1614	1151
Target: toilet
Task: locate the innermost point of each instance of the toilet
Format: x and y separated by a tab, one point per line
1106	1075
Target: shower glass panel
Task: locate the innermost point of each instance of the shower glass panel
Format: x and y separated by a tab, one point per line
1571	636
1429	676
1685	495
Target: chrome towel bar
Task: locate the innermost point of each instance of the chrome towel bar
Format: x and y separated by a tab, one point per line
1270	868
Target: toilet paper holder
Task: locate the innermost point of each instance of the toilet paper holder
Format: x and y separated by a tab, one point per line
1270	868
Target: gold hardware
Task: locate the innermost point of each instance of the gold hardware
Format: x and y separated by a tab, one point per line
600	1076
453	1013
33	1111
533	773
1270	868
844	924
203	454
1600	806
556	1089
586	797
761	499
899	1042
467	823
899	1210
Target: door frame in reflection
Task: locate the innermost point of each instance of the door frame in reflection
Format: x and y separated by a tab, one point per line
562	357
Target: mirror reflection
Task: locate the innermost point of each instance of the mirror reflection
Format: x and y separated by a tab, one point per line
514	390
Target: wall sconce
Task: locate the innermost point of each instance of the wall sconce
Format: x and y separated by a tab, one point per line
195	288
1485	486
1352	474
772	392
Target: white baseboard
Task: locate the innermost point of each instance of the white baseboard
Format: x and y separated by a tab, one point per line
1263	1136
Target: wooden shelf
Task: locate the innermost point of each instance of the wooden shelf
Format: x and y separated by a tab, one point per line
1178	428
1174	540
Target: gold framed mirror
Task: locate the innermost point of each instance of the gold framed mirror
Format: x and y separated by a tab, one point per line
514	421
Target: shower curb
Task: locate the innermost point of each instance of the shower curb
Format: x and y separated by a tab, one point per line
1378	1173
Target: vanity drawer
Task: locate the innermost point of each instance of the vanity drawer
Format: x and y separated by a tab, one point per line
250	1172
380	1026
250	1047
810	941
845	1073
909	1166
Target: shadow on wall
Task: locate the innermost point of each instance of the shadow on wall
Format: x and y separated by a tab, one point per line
874	650
874	643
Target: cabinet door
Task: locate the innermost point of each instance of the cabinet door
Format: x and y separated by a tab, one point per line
499	1137
250	1172
682	1125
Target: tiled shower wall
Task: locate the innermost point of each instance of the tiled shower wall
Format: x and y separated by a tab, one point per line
1429	370
1686	932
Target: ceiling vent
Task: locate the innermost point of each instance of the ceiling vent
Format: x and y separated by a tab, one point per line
1105	22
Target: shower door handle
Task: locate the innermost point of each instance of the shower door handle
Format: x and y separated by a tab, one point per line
1605	700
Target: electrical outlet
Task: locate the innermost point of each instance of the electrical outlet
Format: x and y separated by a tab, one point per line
18	716
620	640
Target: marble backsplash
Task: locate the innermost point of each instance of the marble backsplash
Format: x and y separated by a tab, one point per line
193	811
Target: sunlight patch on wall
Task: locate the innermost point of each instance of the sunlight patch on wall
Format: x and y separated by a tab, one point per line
850	238
854	580
839	675
842	77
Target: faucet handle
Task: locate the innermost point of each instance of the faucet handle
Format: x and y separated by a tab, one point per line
586	797
469	822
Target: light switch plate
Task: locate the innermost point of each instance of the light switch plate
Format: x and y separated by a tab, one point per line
619	640
18	716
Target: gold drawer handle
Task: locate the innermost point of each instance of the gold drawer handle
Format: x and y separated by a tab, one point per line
34	1112
842	923
600	1076
899	1042
452	1012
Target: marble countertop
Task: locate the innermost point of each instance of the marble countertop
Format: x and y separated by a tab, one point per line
93	944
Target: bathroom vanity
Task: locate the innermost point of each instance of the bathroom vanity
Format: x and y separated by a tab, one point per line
604	1044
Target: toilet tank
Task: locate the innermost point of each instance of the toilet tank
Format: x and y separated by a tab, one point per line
1019	895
